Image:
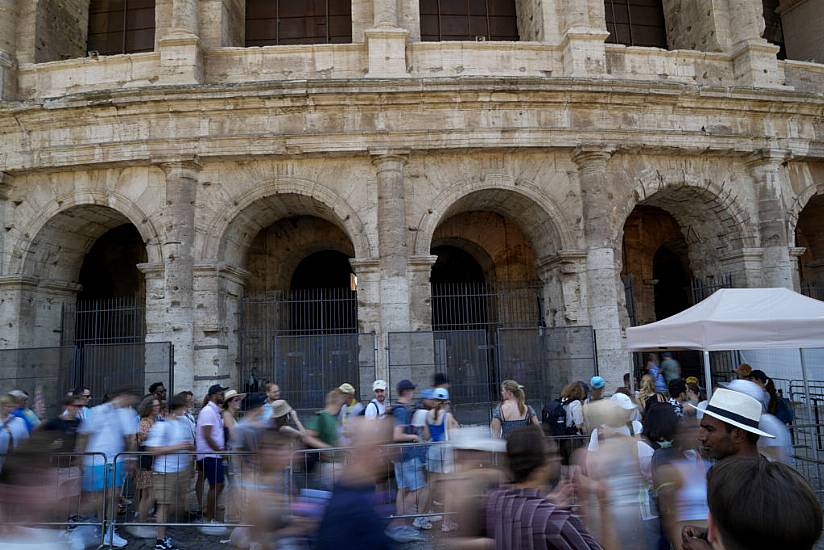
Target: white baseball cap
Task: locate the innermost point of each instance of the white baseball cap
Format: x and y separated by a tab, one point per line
379	385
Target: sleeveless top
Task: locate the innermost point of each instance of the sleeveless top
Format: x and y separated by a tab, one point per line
437	432
508	425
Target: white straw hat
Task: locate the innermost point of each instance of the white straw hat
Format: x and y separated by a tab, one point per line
736	409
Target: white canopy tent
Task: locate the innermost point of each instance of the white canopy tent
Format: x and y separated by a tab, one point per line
739	319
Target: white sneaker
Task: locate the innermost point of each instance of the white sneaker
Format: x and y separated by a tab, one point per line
448	526
403	534
422	523
113	539
213	528
434	519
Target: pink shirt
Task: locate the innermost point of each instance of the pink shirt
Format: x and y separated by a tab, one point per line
209	416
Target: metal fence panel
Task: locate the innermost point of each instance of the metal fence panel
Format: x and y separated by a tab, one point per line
522	357
570	356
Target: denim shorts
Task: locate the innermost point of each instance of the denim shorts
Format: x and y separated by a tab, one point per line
93	476
213	469
409	474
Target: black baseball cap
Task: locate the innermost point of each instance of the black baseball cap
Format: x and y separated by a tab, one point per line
216	388
404	385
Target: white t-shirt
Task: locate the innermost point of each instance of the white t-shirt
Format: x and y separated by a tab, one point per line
209	416
575	414
107	428
419	418
166	434
375	409
12	430
783	440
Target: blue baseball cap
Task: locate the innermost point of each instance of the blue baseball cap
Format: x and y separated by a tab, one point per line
441	394
404	385
597	382
428	393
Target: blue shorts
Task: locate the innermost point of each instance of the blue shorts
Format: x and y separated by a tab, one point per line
94	476
409	474
213	469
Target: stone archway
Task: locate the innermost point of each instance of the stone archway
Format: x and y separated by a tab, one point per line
809	235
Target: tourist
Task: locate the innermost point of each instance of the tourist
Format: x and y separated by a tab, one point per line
22	409
777	406
322	433
626	424
209	442
232	400
729	425
598	384
12	429
520	514
670	367
281	418
780	446
376	408
66	427
440	423
169	442
653	369
148	412
512	412
350	409
272	395
409	475
440	380
757	505
159	391
648	392
86	395
743	371
677	395
109	429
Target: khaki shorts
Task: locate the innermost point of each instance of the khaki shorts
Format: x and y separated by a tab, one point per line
171	488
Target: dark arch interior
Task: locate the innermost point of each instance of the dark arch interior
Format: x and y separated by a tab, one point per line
672	282
459	297
325	269
455	266
322	298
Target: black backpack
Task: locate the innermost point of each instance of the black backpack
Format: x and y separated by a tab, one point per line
554	419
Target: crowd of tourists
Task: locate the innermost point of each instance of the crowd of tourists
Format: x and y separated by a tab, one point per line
654	468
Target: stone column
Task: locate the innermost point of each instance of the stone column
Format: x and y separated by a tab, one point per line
563	277
16	311
386	42
181	57
769	171
602	273
179	228
754	59
8	49
583	31
420	292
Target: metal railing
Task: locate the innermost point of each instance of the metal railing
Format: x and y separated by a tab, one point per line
468	306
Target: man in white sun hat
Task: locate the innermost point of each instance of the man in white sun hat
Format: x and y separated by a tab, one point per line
729	426
377	407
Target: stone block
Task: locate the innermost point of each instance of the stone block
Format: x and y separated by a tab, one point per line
387	52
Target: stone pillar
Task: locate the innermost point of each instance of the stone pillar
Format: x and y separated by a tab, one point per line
217	292
181	57
769	171
8	49
755	60
386	42
583	30
16	311
602	273
564	277
795	255
179	228
420	292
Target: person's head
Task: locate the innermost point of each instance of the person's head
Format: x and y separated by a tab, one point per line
20	397
729	425
440	398
72	405
7	405
756	504
159	390
215	394
190	399
667	355
439	380
597	384
149	407
406	389
179	403
573	391
84	393
334	401
124	396
677	389
379	387
427	398
280	413
660	422
527	456
647	385
272	391
365	465
743	371
627	380
510	389
652	358
232	400
759	377
347	390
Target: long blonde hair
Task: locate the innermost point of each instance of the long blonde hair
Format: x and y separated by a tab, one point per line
517	392
647	388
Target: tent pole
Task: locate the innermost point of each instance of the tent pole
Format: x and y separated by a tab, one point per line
809	406
707	374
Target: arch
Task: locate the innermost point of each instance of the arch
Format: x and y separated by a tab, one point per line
270	201
704	198
539	218
801	201
89	214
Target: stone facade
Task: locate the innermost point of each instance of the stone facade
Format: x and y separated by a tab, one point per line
383	148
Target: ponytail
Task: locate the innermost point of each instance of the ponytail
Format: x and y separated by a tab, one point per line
517	392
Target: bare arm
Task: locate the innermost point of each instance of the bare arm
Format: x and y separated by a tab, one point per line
310	437
401	437
495	428
210	440
293	414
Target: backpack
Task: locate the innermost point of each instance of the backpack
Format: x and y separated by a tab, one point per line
554	419
784	412
363	410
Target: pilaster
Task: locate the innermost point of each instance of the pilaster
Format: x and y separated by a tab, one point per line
564	282
8	49
181	56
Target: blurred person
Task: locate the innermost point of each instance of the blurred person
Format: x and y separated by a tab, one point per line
350	409
743	371
439	461
159	391
629	427
86	395
232	400
409	474
653	369
148	411
190	410
512	412
322	433
109	429
755	504
210	440
628	381
23	411
440	380
729	425
520	514
694	395
171	470
677	395
65	428
249	428
648	392
12	429
350	515
281	417
670	367
779	447
598	385
776	406
272	395
376	408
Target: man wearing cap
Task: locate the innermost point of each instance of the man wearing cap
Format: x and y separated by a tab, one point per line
729	426
377	408
598	384
209	440
351	406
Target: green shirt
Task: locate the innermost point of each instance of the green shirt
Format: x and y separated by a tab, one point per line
325	426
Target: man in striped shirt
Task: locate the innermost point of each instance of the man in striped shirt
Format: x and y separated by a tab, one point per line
519	517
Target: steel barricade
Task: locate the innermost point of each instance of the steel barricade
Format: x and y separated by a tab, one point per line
63	490
180	492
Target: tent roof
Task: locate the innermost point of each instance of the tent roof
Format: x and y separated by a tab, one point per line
738	318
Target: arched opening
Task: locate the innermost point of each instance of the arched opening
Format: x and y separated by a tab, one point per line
121	26
809	233
443	20
278	22
636	23
455	275
672	280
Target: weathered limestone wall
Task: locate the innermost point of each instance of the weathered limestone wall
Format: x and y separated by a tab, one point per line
697	25
222	23
61	29
803	24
